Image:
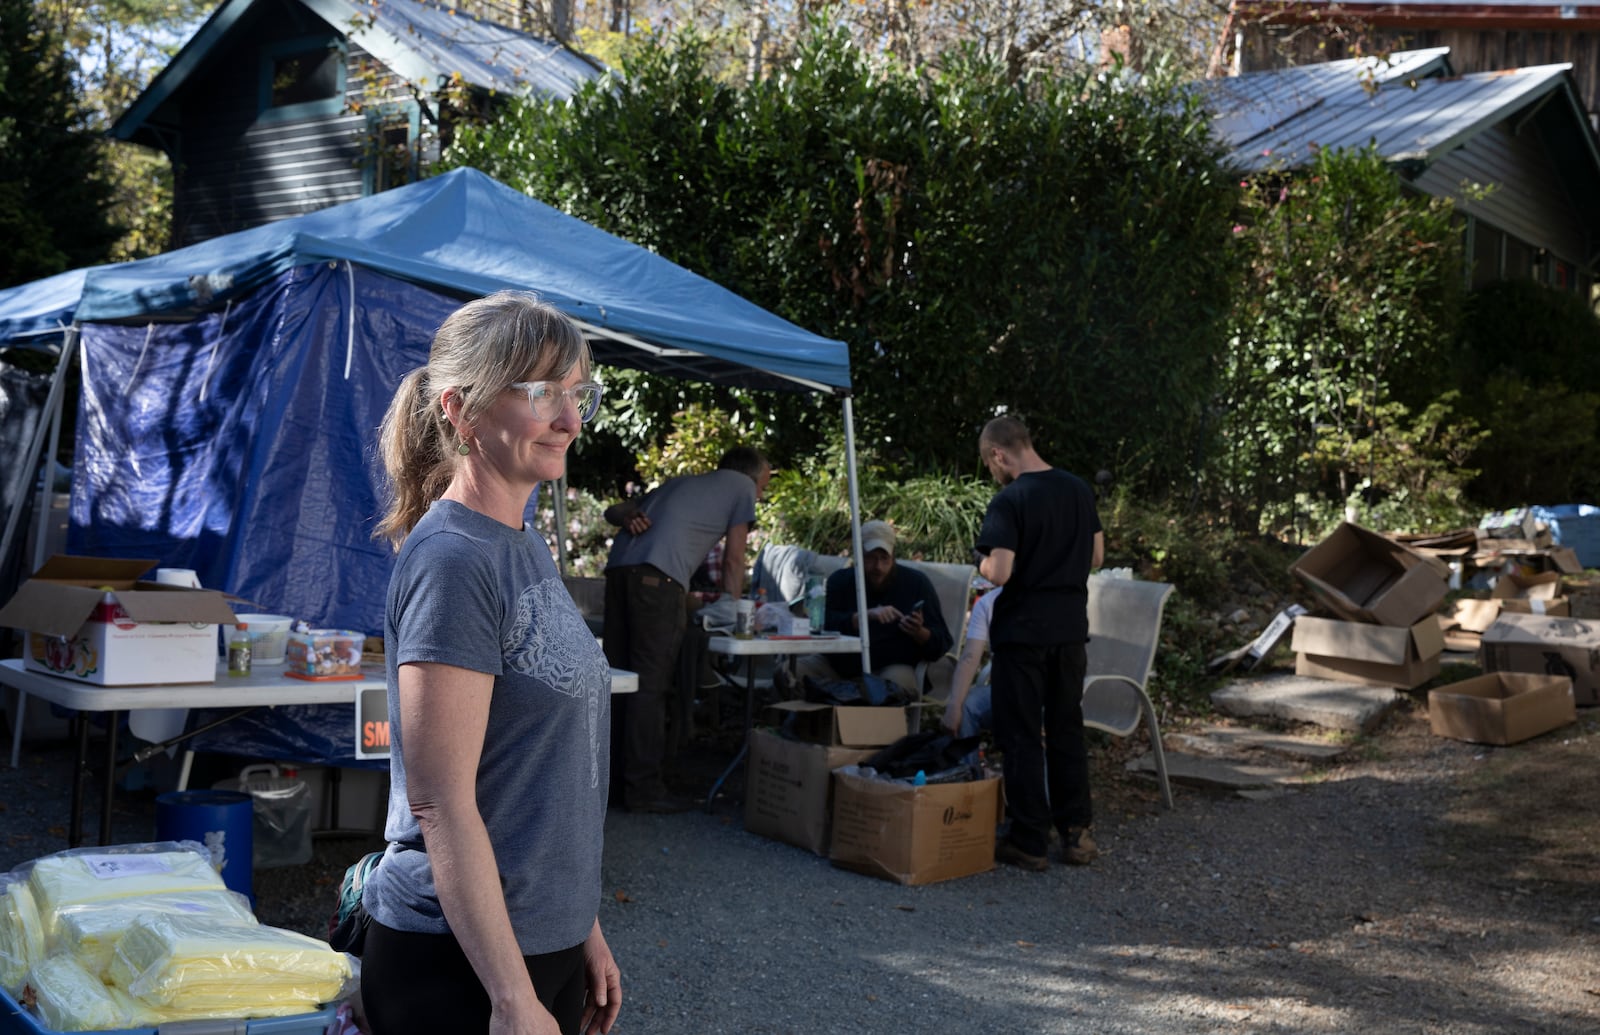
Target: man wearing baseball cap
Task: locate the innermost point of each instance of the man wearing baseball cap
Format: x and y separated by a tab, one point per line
903	620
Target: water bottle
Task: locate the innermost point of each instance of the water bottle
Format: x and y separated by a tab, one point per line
239	651
816	603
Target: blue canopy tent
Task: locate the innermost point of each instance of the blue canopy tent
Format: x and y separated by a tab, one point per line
232	390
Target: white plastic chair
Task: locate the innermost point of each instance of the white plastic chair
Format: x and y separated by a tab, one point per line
952	583
1124	629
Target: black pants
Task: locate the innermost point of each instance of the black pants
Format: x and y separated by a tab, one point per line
645	617
422	984
1041	686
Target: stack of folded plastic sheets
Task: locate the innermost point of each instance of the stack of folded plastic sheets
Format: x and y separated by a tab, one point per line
139	936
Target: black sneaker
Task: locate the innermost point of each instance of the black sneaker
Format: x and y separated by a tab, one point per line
1011	855
1078	848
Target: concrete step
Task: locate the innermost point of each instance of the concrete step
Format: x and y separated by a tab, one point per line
1321	702
1215	773
1240	741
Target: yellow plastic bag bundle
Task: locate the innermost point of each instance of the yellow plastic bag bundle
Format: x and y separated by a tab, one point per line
69	998
91	931
21	936
202	964
60	882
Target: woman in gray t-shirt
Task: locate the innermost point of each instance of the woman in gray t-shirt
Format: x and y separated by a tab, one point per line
484	908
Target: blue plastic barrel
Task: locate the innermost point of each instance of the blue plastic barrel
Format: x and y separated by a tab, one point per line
223	821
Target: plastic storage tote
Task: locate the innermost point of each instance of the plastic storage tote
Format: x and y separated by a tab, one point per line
14	1020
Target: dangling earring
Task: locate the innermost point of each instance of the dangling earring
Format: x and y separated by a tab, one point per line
465	449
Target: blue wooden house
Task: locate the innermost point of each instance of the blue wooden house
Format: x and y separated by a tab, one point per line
275	108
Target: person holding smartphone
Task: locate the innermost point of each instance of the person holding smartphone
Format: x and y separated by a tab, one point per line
903	620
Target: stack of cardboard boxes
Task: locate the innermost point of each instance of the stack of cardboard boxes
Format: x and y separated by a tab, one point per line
1384	595
890	829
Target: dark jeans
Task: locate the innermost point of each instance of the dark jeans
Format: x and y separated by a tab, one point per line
1034	686
643	629
422	984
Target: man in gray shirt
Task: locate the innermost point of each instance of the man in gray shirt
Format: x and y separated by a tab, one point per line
665	535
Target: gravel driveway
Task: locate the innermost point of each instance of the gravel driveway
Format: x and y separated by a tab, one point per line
1358	902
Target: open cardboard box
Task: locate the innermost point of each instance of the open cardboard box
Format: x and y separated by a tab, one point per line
1544	645
841	725
789	788
1382	655
1365	577
914	835
90	619
1501	707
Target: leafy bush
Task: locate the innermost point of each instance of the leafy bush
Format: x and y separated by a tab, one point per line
1344	322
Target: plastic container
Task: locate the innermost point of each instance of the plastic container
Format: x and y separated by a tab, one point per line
220	820
14	1020
239	650
324	654
282	811
269	637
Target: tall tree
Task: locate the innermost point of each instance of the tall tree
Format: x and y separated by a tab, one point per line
54	195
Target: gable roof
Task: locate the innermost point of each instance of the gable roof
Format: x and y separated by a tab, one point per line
423	42
467	234
1547	15
1410	110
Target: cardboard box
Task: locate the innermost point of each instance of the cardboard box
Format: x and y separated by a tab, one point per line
1383	655
1469	615
914	835
789	788
1545	585
1546	646
840	725
1365	577
90	619
1501	707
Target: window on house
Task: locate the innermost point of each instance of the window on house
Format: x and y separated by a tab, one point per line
302	78
392	146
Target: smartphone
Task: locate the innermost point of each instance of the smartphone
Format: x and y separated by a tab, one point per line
916	607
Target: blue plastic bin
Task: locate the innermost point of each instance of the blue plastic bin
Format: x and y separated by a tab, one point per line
14	1020
1575	525
223	821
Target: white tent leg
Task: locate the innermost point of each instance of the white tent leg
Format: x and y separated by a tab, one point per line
855	532
559	487
47	490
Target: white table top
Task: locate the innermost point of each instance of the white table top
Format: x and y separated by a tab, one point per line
263	686
766	645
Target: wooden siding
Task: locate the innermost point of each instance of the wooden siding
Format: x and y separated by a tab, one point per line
1470	50
235	171
1529	201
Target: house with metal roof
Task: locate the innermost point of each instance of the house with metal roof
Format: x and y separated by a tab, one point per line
1481	35
276	108
1522	133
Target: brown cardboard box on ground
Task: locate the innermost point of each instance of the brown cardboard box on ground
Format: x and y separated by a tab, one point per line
1536	594
841	725
1365	577
1382	655
1546	646
914	835
789	788
90	619
1501	707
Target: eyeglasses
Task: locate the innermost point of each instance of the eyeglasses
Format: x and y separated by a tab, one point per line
547	398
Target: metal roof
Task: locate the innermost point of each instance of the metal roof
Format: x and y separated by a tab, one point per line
1280	118
426	43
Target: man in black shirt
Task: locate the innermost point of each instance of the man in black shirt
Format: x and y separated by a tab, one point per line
1040	538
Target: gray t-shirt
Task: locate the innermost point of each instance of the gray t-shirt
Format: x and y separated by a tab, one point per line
687	517
470	592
